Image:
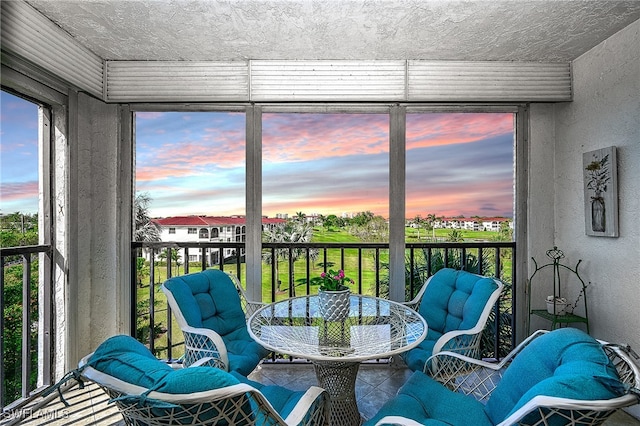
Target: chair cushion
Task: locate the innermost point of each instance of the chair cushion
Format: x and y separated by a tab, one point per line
282	399
566	363
208	299
124	358
454	300
429	403
244	354
417	357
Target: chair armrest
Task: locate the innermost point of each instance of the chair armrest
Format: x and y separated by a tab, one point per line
413	304
551	406
397	420
204	362
464	342
312	408
467	375
492	365
249	306
204	343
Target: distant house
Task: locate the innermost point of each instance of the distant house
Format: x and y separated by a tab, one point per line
473	223
495	223
225	229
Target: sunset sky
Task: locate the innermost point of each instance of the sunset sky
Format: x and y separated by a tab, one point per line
18	155
193	162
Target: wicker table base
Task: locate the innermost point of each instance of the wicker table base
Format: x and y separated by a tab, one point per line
374	328
339	380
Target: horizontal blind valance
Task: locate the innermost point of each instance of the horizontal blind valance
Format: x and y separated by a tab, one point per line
488	81
338	81
328	80
163	81
27	34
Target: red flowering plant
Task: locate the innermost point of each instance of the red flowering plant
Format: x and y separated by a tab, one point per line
334	280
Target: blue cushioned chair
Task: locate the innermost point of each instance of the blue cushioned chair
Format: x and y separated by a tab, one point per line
208	306
150	392
563	377
456	305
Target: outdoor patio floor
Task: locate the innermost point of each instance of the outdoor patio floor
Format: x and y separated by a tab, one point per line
376	383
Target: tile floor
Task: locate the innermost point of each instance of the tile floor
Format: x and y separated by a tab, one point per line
376	383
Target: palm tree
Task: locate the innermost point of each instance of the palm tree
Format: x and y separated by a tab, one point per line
142	270
291	232
418	222
175	258
300	217
146	230
455	236
431	220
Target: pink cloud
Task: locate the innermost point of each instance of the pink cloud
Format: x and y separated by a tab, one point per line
424	130
188	157
309	137
12	191
302	137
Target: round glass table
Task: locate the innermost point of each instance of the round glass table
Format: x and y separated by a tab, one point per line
375	328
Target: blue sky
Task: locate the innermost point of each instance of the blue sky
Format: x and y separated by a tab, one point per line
18	155
194	162
457	164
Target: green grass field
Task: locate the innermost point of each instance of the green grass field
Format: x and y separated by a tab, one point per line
364	274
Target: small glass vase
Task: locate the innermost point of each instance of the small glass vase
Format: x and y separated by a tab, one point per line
598	218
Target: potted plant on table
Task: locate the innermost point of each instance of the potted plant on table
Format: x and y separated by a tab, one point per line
334	295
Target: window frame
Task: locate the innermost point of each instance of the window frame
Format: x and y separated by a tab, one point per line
397	171
52	108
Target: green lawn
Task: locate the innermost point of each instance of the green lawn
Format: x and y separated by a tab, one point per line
413	235
364	274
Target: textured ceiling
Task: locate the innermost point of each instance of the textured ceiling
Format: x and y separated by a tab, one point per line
222	30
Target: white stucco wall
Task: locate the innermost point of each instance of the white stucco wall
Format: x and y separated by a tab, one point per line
540	207
605	112
93	277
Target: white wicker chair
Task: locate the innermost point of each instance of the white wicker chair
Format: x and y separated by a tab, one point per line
203	342
464	341
478	379
235	405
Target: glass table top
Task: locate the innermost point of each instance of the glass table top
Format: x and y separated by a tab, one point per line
374	328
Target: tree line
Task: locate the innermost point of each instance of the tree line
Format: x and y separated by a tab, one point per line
18	229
